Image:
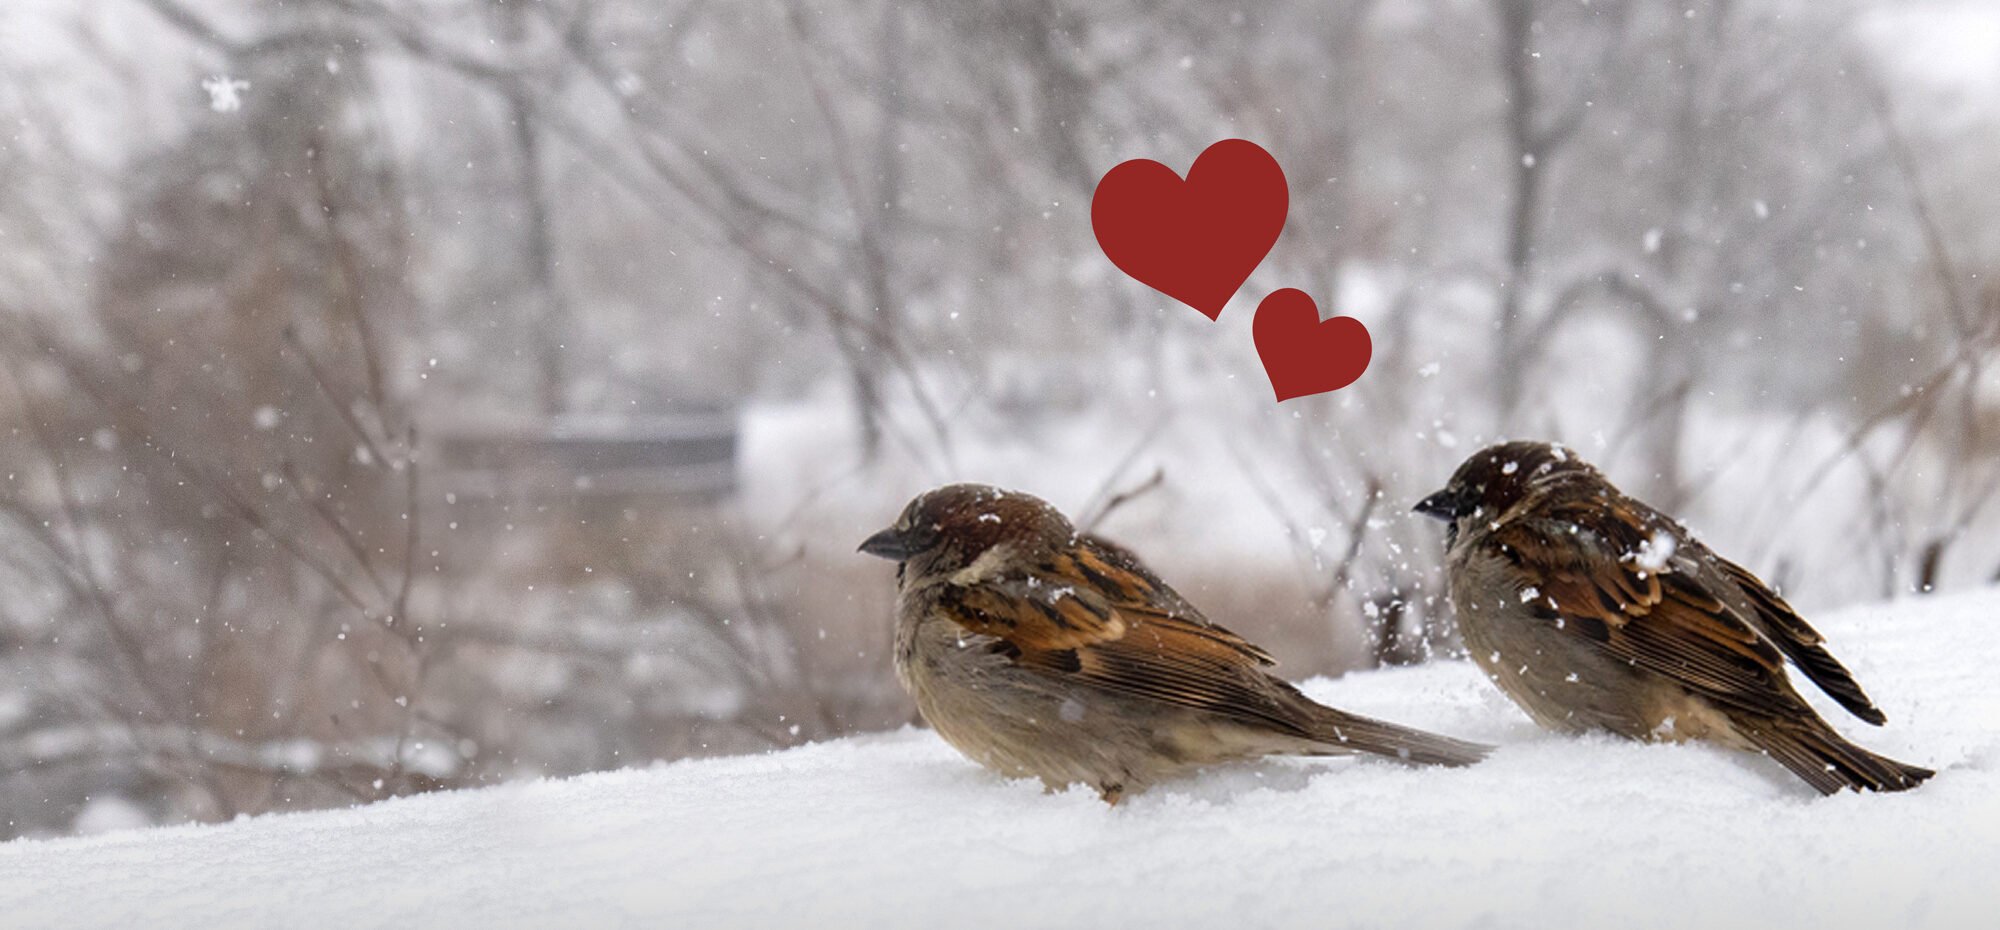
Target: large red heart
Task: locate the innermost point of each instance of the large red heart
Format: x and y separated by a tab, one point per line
1196	240
1304	354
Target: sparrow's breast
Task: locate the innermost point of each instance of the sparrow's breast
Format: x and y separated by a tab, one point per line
1559	678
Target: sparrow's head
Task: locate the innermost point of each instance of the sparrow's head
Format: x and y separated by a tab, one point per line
1498	477
947	530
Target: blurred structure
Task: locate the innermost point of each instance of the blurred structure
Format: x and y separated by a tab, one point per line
688	453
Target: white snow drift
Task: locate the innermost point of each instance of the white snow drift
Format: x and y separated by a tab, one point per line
899	831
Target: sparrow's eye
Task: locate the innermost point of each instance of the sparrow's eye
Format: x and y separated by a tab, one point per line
920	536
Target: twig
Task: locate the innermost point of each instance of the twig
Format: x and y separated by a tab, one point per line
333	399
1120	499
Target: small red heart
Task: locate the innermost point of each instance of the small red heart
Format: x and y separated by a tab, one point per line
1304	354
1196	240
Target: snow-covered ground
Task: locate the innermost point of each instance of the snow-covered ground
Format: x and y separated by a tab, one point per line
898	831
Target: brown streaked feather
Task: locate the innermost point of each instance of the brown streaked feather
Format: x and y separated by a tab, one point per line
1660	621
1032	623
1125	632
1802	643
1138	589
1751	648
1623	525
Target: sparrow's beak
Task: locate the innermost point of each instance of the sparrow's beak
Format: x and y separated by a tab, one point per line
887	544
1443	506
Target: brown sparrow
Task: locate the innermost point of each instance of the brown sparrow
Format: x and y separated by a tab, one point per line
1594	611
1038	651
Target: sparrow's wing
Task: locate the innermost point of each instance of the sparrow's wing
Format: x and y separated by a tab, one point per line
1095	616
1585	566
1800	641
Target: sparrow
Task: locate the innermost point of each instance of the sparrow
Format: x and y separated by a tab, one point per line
1042	652
1593	611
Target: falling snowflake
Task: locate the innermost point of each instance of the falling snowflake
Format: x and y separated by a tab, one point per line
225	93
1654	552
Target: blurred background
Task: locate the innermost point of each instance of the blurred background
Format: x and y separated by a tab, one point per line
413	394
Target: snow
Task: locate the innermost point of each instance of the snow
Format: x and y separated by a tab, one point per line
1654	553
897	830
225	93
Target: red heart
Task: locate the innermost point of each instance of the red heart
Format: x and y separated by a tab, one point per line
1196	240
1304	354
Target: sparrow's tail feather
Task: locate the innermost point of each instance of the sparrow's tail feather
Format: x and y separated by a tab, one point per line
1344	732
1827	761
